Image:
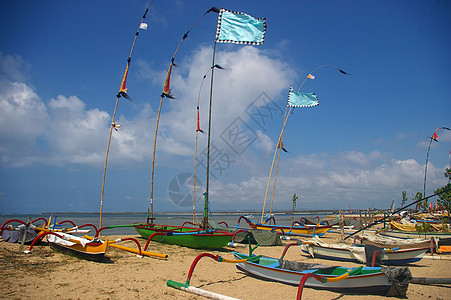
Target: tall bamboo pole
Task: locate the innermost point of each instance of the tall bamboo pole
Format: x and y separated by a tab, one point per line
205	219
433	137
195	151
166	93
122	92
287	114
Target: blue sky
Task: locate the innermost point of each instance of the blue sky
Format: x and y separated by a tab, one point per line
61	65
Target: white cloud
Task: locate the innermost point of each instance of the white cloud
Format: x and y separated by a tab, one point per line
329	180
64	132
23	118
13	68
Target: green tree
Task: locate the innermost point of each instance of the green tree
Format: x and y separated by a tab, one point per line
448	174
404	198
445	197
423	205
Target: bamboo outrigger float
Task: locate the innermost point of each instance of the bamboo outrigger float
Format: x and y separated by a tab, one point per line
186	287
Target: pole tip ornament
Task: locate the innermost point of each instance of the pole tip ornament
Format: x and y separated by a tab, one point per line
214	9
115	125
124	94
218	67
435	135
343	72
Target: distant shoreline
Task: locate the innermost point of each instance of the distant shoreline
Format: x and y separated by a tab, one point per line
189	213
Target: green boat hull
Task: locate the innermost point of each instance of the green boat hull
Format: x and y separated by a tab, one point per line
184	236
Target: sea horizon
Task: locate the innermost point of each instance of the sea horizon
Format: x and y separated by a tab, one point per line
178	218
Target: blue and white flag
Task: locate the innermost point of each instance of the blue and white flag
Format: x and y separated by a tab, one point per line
296	99
240	28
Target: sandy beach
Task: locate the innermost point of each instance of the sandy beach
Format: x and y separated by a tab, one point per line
48	274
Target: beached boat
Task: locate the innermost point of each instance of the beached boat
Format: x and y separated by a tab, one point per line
366	255
295	229
88	249
380	241
184	236
361	280
413	234
26	232
78	246
409	227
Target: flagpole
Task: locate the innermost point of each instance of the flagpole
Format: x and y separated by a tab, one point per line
272	166
195	151
275	179
205	221
287	114
426	166
122	92
449	174
427	156
166	93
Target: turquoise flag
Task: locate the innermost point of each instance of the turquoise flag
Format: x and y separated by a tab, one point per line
240	28
296	99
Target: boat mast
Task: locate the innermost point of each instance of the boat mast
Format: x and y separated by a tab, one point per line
122	92
195	151
205	222
166	93
279	146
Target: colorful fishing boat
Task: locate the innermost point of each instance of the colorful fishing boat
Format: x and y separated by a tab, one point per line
419	226
295	229
413	234
88	249
380	241
78	246
361	280
366	255
184	236
26	232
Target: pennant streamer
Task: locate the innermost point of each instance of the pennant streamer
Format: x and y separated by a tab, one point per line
435	135
167	83
280	146
198	122
296	99
123	89
240	28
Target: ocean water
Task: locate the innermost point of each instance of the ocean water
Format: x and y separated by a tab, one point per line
161	218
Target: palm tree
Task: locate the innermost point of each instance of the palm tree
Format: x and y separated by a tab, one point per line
295	197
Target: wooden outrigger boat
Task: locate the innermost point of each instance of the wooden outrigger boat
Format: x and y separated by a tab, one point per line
88	249
388	281
295	229
78	246
366	255
26	232
361	280
413	234
184	236
380	241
